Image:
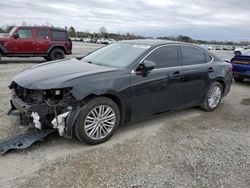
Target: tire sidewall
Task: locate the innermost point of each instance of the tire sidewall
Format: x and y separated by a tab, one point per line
207	106
79	125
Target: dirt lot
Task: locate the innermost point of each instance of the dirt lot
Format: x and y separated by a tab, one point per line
189	148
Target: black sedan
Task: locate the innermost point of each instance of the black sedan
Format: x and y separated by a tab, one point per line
90	97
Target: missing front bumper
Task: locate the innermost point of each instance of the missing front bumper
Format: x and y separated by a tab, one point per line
24	140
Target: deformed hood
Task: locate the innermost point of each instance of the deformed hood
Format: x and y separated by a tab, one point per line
57	74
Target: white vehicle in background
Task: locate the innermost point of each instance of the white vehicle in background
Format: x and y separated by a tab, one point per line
111	41
101	41
242	51
218	47
211	47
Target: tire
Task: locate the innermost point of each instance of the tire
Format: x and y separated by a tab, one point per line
238	78
237	53
208	104
91	130
0	56
57	54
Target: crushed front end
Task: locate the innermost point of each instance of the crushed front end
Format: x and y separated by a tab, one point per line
53	108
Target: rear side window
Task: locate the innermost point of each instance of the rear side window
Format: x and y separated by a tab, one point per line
164	57
58	35
42	34
192	55
24	33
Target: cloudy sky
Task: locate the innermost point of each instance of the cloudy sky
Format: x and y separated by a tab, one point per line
200	19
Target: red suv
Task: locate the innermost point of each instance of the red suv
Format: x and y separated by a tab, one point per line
47	42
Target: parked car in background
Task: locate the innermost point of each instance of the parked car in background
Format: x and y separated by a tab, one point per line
241	68
229	48
204	46
242	51
105	41
87	40
4	34
211	47
111	41
125	81
102	41
47	42
218	47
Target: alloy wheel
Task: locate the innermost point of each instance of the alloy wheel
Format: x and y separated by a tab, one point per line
99	122
214	96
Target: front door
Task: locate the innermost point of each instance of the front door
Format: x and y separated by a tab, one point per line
24	42
161	89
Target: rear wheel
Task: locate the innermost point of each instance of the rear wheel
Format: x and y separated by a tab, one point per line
213	97
0	56
57	54
238	78
97	121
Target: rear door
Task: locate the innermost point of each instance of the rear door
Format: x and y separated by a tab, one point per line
24	43
196	69
161	89
42	39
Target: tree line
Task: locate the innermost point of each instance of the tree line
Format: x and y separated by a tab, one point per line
103	33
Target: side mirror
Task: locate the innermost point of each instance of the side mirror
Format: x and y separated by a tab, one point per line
16	35
145	67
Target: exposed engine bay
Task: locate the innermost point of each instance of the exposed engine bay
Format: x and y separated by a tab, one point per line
44	108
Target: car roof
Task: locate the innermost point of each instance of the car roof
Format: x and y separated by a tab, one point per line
152	42
42	27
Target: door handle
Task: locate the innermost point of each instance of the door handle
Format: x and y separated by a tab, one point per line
176	74
210	70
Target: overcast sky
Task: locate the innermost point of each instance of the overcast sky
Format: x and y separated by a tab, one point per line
200	19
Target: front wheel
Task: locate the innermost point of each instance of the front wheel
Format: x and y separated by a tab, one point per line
97	121
213	97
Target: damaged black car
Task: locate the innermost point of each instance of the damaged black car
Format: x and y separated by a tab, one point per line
90	97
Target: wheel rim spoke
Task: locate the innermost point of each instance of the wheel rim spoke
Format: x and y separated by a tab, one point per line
99	122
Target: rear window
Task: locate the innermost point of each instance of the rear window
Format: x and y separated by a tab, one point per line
58	35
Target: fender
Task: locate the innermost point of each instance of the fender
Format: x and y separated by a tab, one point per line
69	133
54	46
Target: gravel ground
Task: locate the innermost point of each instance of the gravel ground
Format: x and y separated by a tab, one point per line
189	148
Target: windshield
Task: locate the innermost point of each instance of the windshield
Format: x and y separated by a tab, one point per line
12	31
119	54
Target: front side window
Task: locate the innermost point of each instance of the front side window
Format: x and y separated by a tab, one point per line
24	33
166	56
42	34
192	56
